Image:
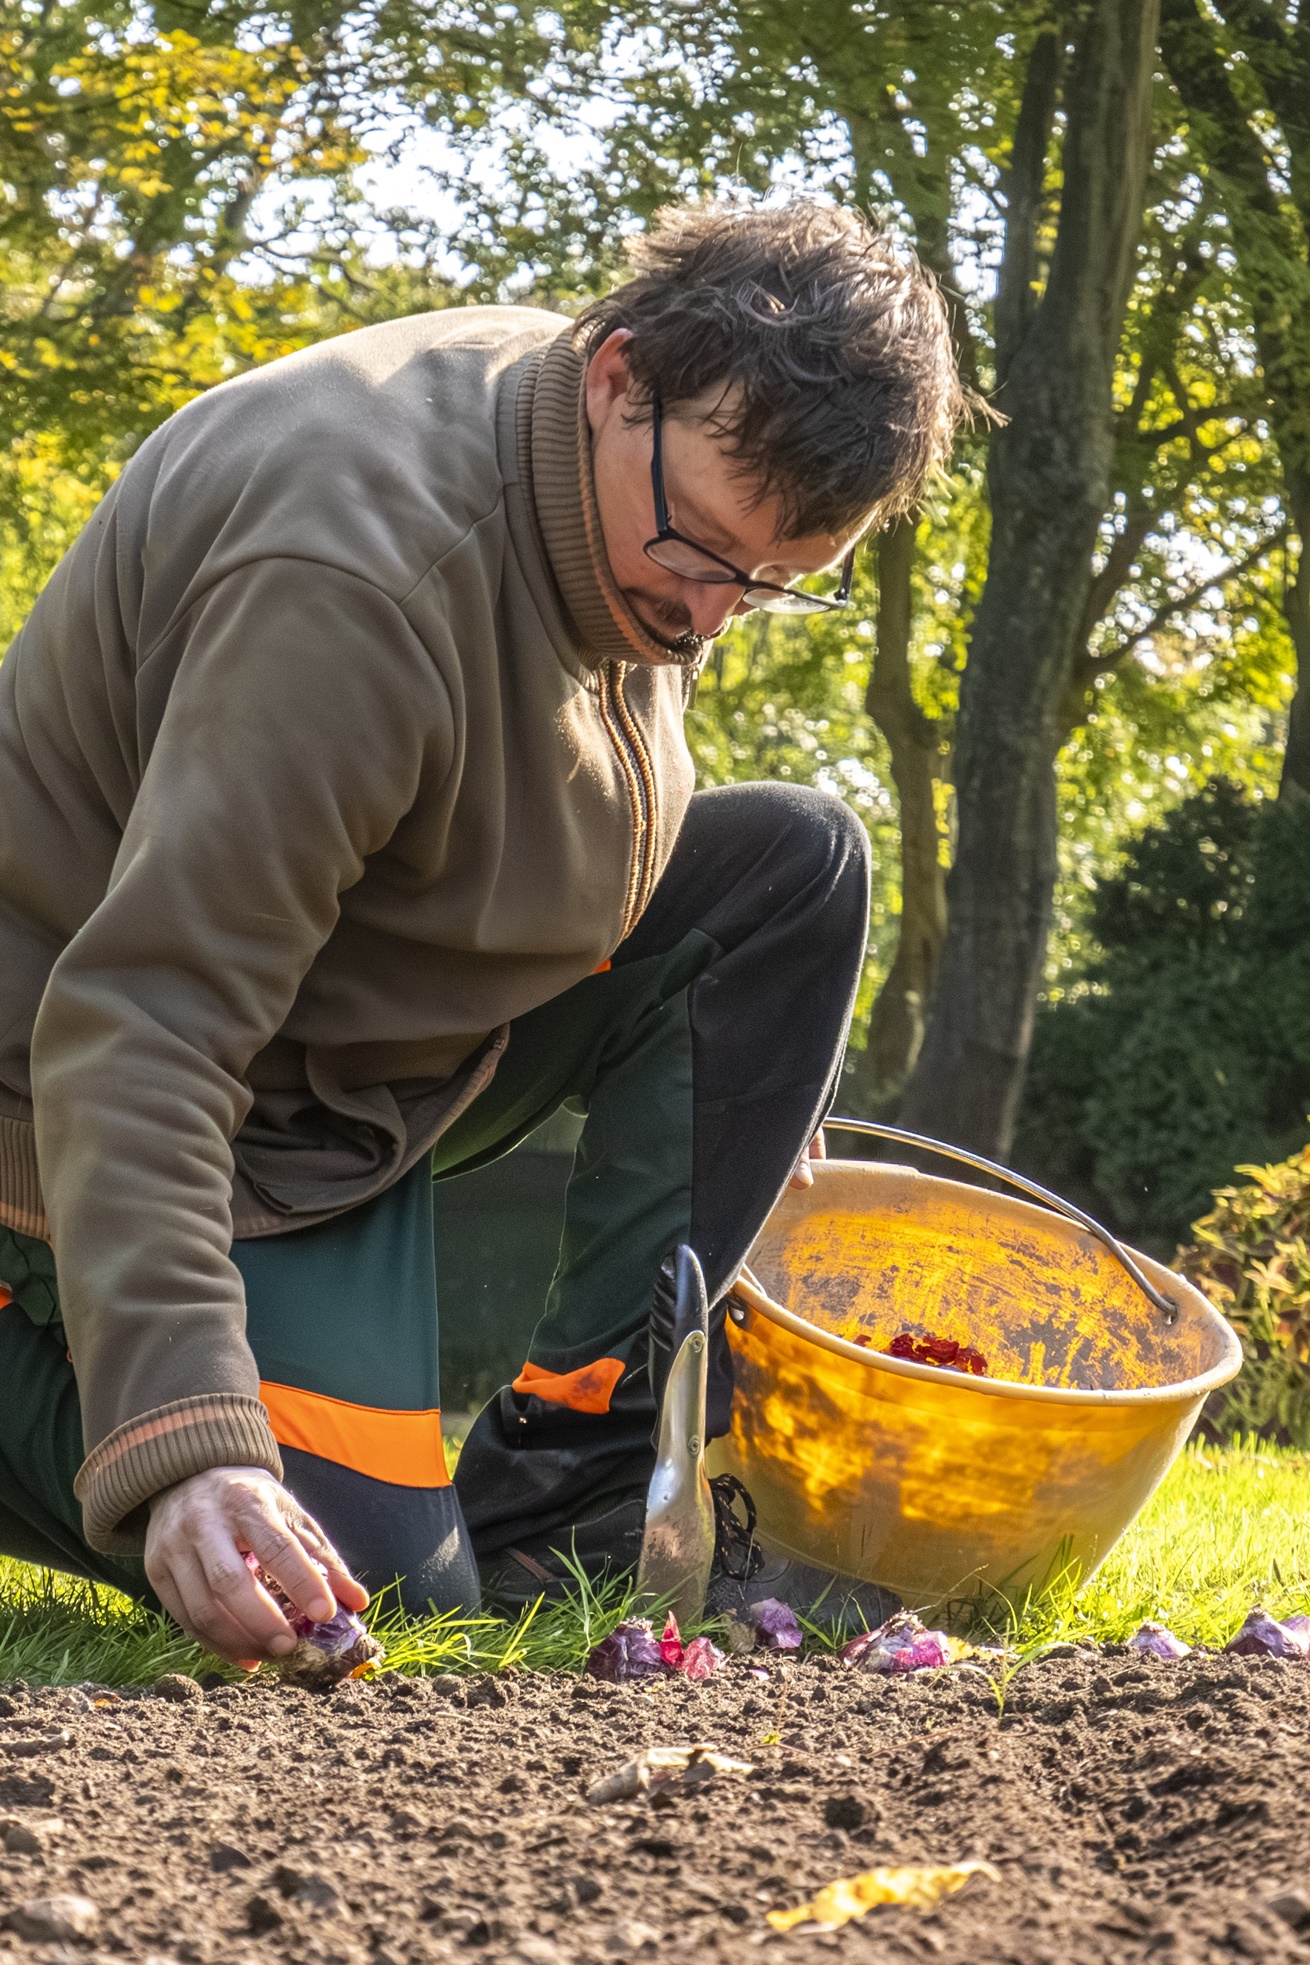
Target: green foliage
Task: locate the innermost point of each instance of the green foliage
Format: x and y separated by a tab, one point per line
1251	1256
1183	1046
157	169
785	699
182	196
911	110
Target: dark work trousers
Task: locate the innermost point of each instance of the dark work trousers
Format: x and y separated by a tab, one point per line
705	1056
705	1060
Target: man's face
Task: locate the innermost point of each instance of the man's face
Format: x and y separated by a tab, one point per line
708	502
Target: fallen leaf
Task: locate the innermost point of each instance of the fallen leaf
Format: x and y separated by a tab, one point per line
960	1650
659	1767
851	1896
55	1920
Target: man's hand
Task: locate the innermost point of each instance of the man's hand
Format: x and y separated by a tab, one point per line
816	1150
196	1545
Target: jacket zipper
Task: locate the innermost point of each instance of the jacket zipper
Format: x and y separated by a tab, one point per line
630	748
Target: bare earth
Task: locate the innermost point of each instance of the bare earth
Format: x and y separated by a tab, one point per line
1135	1810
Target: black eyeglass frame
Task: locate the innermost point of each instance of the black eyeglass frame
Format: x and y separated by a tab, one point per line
732	576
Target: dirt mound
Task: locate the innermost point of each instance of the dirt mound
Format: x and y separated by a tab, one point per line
1133	1809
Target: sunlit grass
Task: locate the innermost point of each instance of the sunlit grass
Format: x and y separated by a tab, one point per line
58	1630
1229	1527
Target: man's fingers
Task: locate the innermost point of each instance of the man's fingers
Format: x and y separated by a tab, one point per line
237	1594
196	1546
340	1580
280	1551
816	1150
188	1595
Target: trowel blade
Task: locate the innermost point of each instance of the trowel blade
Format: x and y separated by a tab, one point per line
677	1550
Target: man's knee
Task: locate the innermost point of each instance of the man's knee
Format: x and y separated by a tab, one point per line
833	839
411	1536
810	834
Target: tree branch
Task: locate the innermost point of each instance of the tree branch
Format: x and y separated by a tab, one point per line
1094	665
1023	188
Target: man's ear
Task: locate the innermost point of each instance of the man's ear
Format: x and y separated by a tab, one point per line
609	379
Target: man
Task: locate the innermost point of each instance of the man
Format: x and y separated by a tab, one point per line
346	830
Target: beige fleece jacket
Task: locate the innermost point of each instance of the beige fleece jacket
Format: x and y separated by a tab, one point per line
329	749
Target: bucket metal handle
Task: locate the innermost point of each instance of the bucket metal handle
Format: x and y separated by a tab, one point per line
1029	1187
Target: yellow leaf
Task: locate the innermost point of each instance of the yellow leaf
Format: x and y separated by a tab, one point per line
837	1903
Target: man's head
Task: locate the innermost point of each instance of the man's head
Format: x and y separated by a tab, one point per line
804	368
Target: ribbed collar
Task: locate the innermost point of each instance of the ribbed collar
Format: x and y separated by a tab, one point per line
555	439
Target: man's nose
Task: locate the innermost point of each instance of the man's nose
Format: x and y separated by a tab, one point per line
710	606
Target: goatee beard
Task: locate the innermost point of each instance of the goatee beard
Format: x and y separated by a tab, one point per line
687	649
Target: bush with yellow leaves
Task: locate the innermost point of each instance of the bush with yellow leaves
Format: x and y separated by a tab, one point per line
1251	1257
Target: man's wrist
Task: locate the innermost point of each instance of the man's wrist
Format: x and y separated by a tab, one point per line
233	1471
160	1449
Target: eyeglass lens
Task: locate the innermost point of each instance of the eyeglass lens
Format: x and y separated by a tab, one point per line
681	557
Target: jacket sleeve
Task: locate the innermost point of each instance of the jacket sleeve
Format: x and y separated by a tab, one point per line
302	712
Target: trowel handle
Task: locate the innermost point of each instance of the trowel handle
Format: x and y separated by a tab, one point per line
1025	1186
691	1303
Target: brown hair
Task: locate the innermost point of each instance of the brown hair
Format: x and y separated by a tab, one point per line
828	340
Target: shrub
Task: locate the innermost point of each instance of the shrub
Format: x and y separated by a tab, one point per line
1188	1050
1251	1256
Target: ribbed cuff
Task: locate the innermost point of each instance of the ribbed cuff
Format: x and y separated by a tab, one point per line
140	1459
21	1206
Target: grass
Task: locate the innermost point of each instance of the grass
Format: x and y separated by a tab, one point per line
1228	1528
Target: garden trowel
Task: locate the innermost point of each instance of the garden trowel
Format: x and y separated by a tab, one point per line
677	1549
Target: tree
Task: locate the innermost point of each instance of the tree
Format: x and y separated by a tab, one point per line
916	106
1270	230
165	161
1049	481
154	231
1188	1047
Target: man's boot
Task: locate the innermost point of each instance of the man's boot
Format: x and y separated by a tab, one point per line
605	1542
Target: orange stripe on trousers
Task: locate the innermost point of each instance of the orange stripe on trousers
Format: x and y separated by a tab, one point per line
403	1448
589	1389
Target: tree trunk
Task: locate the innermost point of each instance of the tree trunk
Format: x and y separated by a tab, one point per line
896	1025
920	176
1049	480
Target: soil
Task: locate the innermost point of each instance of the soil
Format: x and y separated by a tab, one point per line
1134	1810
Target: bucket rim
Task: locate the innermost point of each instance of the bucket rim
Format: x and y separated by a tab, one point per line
751	1291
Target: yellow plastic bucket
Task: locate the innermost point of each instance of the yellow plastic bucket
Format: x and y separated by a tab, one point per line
943	1486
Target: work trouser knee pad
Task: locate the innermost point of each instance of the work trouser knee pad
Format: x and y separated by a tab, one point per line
413	1538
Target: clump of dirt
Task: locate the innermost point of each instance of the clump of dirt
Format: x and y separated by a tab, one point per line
1135	1809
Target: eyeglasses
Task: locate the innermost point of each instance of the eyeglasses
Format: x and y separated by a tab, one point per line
672	549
